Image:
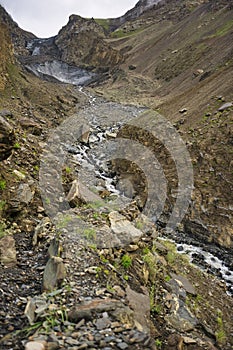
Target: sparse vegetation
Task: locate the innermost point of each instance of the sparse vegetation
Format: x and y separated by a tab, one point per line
17	145
220	332
103	22
94	205
2	205
2	230
68	170
89	234
47	201
223	30
151	263
2	184
167	278
126	261
158	343
139	225
121	33
171	257
63	221
198	68
96	216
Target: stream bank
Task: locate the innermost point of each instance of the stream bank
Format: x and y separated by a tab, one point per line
105	120
145	271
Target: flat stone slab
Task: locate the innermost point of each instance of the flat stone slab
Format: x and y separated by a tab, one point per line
186	284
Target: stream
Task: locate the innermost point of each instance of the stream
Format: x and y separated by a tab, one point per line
104	119
209	258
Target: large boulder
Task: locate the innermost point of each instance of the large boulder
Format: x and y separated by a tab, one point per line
8	251
21	198
7	138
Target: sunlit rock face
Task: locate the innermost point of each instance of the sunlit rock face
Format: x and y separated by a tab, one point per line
62	72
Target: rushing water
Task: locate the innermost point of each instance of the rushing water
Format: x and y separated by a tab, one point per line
99	114
211	263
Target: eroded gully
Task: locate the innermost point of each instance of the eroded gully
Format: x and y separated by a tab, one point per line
105	119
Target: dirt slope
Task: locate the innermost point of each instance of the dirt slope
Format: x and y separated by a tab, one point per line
182	66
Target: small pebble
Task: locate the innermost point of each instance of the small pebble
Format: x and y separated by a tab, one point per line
32	345
122	346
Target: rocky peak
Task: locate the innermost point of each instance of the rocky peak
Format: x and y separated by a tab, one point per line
81	42
157	9
77	24
146	4
140	7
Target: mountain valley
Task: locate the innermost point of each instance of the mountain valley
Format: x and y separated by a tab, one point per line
116	181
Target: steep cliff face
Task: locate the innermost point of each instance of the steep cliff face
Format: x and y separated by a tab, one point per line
81	42
19	36
6	55
139	9
13	41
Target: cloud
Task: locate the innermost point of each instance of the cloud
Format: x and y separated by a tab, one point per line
46	17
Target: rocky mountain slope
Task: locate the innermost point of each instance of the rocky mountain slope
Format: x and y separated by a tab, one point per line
18	35
118	283
180	63
79	43
141	7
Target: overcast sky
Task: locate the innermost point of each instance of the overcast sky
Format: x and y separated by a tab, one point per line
45	18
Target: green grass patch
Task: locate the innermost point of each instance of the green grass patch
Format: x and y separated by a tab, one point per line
68	170
126	261
223	30
16	145
220	332
2	184
120	33
158	343
139	225
2	205
94	205
104	23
